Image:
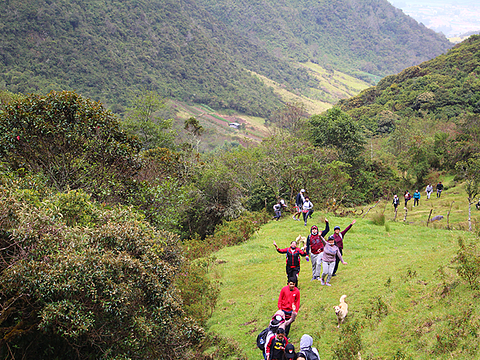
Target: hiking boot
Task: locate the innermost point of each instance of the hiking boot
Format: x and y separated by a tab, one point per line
328	284
322	282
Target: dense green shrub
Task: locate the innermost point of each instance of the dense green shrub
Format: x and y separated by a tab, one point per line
80	281
74	142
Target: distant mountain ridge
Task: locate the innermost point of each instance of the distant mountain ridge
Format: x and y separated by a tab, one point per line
356	35
186	50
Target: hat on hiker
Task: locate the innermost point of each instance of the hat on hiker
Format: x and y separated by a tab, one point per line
290	351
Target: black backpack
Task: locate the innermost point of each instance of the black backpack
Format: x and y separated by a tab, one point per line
308	354
262	337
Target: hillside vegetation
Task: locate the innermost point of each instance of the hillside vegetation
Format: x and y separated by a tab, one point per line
406	299
185	50
356	36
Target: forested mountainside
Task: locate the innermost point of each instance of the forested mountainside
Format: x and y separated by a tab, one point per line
107	50
356	35
444	89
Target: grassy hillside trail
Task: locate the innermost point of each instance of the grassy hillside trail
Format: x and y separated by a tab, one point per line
393	286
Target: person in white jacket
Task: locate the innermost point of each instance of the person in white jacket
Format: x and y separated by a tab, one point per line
307	209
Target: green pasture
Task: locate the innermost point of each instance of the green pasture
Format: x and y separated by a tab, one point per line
400	284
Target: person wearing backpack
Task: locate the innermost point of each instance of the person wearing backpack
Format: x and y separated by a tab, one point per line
307	352
338	236
275	348
293	259
315	249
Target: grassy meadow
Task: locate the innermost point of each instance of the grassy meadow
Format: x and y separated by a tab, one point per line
402	289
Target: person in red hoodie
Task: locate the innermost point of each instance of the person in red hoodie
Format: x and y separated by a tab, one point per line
293	259
338	236
289	302
315	249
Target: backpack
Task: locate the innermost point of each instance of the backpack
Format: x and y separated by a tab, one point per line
262	338
272	327
308	354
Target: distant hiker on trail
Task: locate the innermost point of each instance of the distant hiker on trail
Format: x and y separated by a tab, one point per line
275	349
299	200
416	198
439	189
338	236
307	209
429	190
277	208
307	352
407	197
331	252
315	249
395	203
289	302
293	259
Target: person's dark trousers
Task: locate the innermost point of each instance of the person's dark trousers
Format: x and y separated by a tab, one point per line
293	272
288	315
337	260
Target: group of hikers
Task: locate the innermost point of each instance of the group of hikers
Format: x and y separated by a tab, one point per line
326	254
416	195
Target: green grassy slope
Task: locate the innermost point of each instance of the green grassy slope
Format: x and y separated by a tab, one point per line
393	265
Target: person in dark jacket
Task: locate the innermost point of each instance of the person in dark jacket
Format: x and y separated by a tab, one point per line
275	349
439	189
293	259
396	201
299	200
338	236
315	249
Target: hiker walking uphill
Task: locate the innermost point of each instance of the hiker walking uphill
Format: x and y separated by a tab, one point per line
416	198
429	190
315	249
307	209
439	189
289	303
407	197
338	237
330	253
293	259
395	202
277	209
299	200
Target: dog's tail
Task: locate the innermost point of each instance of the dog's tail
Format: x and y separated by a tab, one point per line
342	298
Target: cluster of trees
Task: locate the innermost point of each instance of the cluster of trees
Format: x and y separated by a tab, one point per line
425	118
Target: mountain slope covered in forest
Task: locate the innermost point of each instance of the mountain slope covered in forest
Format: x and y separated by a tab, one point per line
357	35
200	51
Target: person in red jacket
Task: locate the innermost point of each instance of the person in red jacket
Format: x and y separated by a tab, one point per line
338	236
289	302
293	259
315	249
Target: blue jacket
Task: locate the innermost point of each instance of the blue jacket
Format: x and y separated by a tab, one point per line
416	195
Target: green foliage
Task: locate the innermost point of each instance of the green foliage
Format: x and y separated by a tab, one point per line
378	219
338	130
460	332
143	120
74	142
199	294
100	288
468	260
349	343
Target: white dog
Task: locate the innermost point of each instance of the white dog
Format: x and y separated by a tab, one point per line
341	310
301	241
